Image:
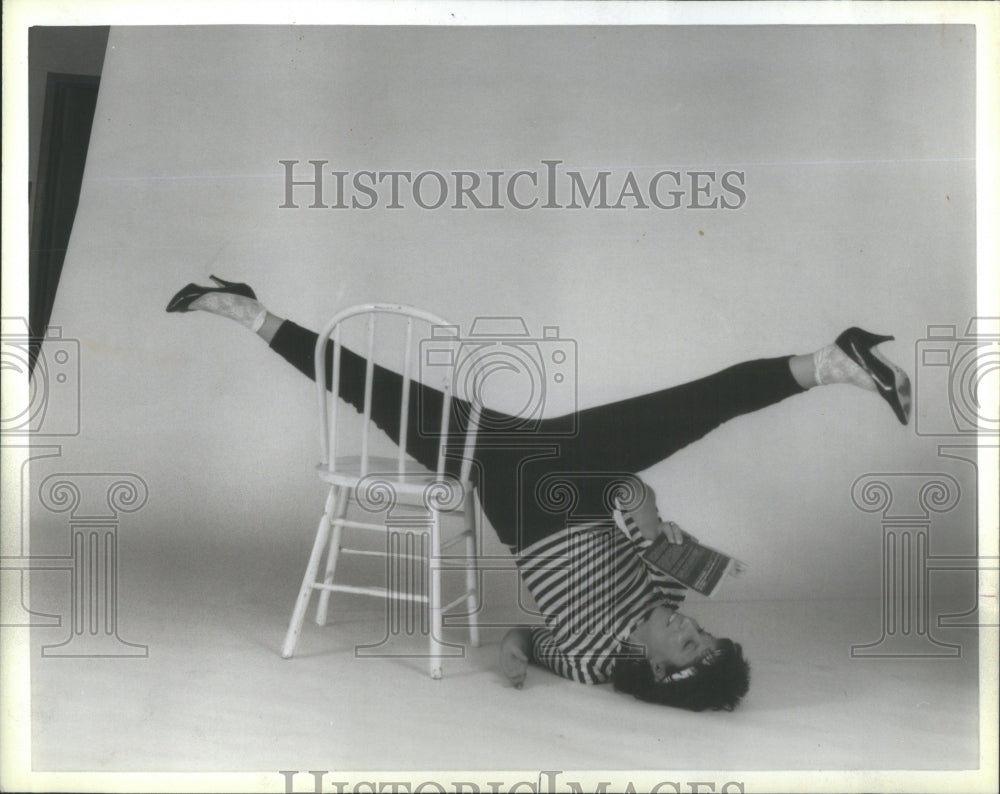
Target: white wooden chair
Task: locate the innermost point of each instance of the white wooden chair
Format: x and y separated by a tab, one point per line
374	482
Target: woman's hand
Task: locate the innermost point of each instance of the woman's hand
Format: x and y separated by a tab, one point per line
647	520
674	533
515	653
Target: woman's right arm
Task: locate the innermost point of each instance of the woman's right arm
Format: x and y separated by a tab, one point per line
515	654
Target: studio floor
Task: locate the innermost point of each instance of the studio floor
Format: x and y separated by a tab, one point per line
214	695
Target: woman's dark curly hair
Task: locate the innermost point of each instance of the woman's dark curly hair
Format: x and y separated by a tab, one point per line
717	682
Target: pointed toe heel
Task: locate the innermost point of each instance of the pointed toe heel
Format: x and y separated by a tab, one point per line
182	300
891	381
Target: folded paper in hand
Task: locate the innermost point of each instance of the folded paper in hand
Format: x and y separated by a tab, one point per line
699	567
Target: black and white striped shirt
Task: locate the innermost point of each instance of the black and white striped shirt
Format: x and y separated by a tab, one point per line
593	588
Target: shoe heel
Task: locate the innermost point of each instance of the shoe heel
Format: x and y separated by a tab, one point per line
181	302
235	287
866	338
891	380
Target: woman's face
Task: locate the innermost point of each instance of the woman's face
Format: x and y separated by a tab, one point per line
674	640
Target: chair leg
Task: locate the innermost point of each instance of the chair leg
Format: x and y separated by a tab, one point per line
305	591
434	604
472	569
340	510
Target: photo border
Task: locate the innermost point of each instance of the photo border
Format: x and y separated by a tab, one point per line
19	15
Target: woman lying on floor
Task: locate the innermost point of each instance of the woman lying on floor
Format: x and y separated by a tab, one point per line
608	615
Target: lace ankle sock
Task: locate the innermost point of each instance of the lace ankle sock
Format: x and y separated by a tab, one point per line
832	365
247	312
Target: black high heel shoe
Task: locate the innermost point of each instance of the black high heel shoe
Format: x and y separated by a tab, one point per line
892	383
182	301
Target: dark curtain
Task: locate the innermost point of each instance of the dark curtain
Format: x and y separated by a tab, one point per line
69	113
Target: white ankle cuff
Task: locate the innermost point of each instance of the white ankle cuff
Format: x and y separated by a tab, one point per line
818	358
258	321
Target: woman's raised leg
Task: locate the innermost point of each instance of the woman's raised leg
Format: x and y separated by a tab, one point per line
636	433
297	345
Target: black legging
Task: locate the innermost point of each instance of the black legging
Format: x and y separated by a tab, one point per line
536	478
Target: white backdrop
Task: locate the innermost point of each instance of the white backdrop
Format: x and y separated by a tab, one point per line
857	147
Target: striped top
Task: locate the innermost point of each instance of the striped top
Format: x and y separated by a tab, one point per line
592	588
